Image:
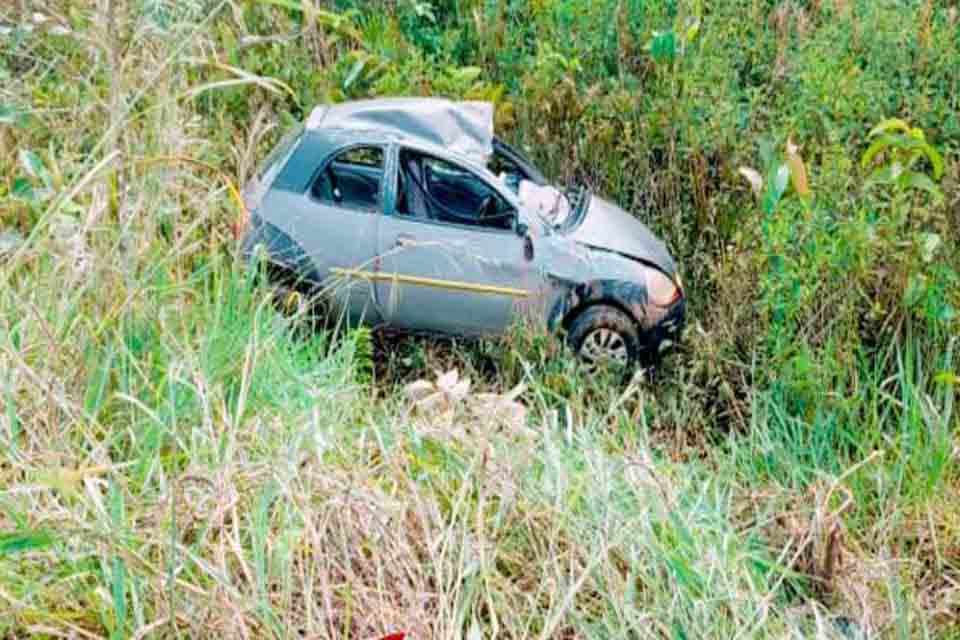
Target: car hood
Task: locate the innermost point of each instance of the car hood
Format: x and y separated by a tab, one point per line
607	226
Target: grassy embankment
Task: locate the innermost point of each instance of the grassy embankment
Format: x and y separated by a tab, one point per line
174	461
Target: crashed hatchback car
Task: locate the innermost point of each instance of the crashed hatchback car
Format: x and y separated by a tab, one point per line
410	213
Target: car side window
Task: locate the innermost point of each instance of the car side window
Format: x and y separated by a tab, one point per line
437	190
351	179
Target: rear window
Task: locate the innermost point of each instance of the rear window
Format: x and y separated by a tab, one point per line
352	179
282	150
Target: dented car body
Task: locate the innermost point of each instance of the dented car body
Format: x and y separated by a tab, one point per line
410	213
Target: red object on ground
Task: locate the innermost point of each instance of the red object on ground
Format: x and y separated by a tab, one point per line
395	636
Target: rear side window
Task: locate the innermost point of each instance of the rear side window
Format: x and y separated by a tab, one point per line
282	150
352	179
270	168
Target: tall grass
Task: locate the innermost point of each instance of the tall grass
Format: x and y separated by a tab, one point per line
179	459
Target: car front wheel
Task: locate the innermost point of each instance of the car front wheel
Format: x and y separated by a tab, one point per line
604	336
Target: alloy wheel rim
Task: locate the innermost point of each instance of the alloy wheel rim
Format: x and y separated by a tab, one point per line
603	346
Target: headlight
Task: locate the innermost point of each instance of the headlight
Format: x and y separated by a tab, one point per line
661	290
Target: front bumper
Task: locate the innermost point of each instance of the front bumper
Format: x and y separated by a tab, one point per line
666	333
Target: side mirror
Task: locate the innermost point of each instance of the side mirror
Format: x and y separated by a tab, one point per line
524	232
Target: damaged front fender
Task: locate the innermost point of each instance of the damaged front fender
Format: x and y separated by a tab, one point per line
631	297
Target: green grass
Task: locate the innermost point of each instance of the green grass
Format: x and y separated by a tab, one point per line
180	459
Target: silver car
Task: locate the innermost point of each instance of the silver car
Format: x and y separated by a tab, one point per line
412	214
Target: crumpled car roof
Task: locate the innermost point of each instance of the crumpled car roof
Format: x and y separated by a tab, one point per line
463	127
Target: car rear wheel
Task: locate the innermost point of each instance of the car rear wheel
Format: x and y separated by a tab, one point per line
605	337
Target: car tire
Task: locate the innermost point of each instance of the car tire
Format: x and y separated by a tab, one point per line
601	335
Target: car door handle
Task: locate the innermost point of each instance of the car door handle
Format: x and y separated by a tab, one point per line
404	240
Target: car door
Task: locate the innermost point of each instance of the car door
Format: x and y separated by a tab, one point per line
442	267
335	223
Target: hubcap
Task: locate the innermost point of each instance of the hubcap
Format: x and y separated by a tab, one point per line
603	347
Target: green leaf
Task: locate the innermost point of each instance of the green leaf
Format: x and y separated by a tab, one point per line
677	632
890	124
118	589
117	508
936	160
467	74
879	145
31	162
33	165
11	543
355	73
947	377
767	152
946	313
777	264
776	187
118	577
884	175
664	46
921	181
903	143
887	174
23	190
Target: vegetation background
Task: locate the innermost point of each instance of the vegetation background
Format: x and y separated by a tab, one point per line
177	460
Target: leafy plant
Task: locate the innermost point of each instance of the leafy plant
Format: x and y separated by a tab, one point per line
360	341
902	151
902	148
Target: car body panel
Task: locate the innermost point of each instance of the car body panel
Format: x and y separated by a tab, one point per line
609	227
440	277
330	238
446	277
284	254
464	128
584	276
